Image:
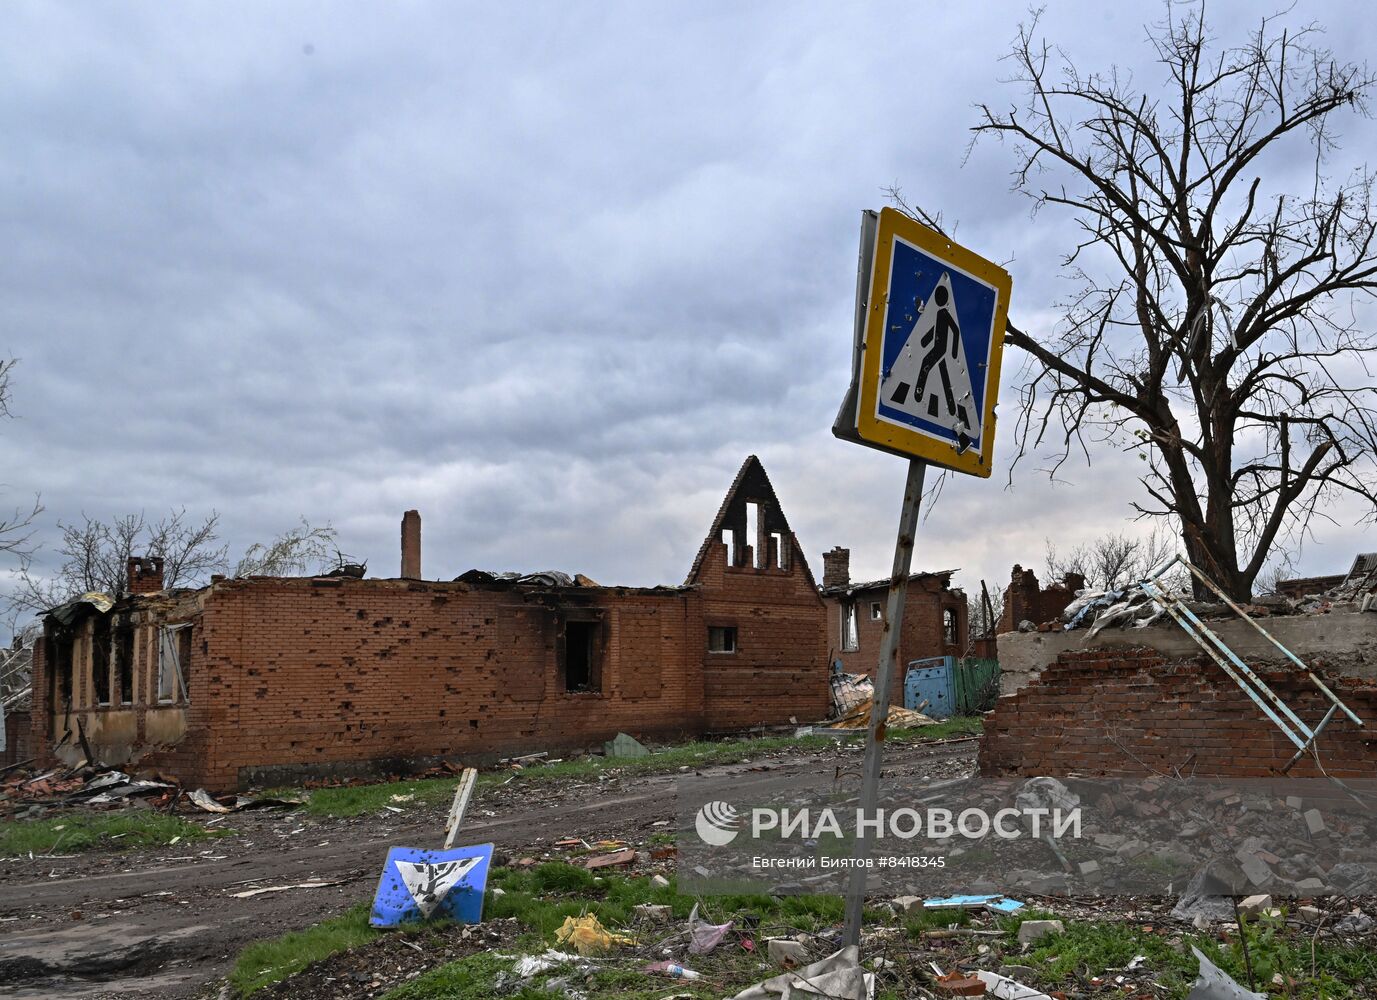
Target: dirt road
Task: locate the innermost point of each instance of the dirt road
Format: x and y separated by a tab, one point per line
166	923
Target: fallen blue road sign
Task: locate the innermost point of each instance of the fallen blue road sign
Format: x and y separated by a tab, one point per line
419	885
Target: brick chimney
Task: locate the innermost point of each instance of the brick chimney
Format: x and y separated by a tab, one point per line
145	574
411	545
836	567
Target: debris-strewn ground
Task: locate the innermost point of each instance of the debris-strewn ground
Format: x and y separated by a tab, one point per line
162	920
275	905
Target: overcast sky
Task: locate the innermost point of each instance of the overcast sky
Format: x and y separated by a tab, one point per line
546	272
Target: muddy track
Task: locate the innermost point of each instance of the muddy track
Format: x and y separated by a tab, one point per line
165	925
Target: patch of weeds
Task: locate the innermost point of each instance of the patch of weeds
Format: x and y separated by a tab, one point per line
88	831
354	800
473	977
265	962
1329	973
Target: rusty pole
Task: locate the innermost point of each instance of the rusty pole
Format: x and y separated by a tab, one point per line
884	674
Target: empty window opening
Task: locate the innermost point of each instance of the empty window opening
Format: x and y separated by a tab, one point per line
174	648
781	552
124	663
949	626
850	638
729	540
876	612
100	662
722	639
62	647
753	534
580	656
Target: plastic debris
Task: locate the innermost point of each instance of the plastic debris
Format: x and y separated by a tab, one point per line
530	965
839	976
994	903
785	952
588	936
672	970
704	937
1008	989
1214	983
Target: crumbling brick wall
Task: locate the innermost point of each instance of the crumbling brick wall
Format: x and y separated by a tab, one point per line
928	601
18	741
1132	711
1026	600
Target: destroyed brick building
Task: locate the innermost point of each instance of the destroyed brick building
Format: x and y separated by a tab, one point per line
265	679
1161	684
935	621
1025	600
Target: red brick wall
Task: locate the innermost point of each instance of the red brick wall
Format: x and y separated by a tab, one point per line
18	741
1093	712
922	627
779	670
300	673
1025	600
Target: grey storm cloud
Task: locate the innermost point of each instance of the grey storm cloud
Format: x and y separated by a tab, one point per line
546	272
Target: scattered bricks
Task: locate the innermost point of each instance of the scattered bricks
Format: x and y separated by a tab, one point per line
1089	868
653	912
659	881
1034	930
1314	821
954	984
1294	801
909	904
1307	885
1255	906
1309	914
786	952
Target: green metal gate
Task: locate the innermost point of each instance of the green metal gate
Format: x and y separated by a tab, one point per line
977	685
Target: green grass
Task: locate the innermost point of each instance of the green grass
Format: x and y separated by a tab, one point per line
77	832
541	897
354	800
1088	949
265	962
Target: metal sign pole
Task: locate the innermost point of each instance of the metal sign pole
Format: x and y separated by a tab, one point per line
884	675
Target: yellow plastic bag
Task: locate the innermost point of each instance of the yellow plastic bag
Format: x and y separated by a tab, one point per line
589	936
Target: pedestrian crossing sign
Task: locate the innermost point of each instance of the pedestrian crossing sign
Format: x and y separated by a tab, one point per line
929	337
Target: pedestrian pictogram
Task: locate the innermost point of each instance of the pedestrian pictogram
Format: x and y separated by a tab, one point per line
930	332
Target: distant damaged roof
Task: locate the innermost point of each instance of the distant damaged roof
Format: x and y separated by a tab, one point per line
545	578
852	588
92	603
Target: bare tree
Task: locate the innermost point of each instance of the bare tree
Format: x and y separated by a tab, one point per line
1111	561
16	529
96	555
295	552
1213	327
